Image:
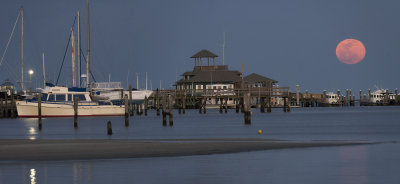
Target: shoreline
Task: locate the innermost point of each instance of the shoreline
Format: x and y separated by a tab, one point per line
51	150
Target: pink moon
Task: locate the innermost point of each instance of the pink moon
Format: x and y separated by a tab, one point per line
350	51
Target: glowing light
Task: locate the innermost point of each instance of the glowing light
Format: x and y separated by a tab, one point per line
33	176
30	72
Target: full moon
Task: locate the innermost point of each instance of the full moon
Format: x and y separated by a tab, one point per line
350	51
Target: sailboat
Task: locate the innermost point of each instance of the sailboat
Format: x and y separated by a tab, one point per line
58	101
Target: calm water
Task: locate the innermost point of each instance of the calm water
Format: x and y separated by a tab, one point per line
377	163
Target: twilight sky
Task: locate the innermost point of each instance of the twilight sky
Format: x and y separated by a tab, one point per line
290	41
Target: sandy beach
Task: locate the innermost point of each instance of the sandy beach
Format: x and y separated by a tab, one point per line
32	150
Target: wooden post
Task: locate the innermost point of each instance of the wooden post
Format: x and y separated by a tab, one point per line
170	113
288	106
184	103
369	96
6	114
146	105
346	100
179	104
201	106
262	104
39	98
130	107
237	105
247	108
360	97
122	94
164	113
158	102
13	114
126	111
205	105
284	104
76	101
226	104
109	128
396	97
220	105
1	108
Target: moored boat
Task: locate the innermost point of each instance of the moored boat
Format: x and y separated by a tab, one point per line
58	102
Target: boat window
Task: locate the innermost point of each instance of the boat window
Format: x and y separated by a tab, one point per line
44	97
70	97
80	97
51	97
60	97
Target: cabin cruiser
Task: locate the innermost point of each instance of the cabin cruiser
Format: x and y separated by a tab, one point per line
58	101
114	92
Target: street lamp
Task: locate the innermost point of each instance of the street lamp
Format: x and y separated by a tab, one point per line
30	80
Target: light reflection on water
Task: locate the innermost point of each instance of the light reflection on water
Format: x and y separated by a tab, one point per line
376	163
33	176
348	164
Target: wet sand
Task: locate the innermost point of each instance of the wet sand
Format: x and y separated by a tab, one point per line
107	149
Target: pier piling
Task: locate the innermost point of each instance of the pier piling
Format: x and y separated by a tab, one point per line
109	128
146	105
247	108
76	101
127	107
130	109
39	98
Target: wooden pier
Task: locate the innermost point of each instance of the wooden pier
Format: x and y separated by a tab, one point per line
8	107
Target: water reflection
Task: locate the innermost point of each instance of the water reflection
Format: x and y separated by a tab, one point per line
32	133
354	164
33	176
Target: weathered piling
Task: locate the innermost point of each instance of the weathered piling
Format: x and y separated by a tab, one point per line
220	105
360	97
262	104
76	101
396	98
269	105
237	105
226	105
1	108
39	98
179	104
184	103
13	113
157	101
247	108
284	104
201	106
146	105
126	111
7	114
130	107
164	111
170	113
109	128
205	105
369	96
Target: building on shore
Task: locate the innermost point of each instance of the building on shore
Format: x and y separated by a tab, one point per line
217	80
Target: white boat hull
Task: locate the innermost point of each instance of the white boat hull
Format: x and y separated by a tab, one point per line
138	95
30	109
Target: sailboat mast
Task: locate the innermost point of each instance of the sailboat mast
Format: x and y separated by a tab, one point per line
137	81
44	72
79	51
88	47
22	47
73	58
146	80
223	50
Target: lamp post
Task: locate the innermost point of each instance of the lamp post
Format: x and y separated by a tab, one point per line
30	80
